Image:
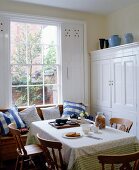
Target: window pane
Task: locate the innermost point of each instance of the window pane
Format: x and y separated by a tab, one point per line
50	71
36	95
18	32
19	75
51	95
34	53
49	34
18	42
33	62
18	53
35	74
34	32
49	55
19	95
50	75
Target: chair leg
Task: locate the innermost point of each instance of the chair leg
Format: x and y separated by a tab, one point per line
17	162
32	162
22	161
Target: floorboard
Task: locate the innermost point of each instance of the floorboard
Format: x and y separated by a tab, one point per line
10	165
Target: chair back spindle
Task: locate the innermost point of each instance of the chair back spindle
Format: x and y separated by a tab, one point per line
121	124
25	153
51	148
17	136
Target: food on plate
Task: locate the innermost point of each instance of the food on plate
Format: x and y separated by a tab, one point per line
72	134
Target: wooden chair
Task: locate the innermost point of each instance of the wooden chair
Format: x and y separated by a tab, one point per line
25	153
121	124
52	150
124	161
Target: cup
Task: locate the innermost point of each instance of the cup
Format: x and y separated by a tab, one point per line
96	129
86	128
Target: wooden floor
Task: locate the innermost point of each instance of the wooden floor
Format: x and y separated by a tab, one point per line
8	165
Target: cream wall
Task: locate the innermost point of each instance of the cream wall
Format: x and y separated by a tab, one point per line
96	24
123	21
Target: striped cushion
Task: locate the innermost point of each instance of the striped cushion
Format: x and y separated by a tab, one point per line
11	116
73	108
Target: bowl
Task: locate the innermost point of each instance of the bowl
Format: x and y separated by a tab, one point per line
73	120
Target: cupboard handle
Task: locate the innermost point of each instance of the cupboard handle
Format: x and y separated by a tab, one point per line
111	83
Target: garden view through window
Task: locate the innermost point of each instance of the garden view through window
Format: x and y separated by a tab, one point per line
34	68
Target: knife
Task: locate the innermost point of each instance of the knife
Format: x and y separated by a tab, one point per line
94	137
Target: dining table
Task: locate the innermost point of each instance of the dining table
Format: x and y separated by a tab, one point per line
80	153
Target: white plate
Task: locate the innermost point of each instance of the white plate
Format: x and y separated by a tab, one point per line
64	136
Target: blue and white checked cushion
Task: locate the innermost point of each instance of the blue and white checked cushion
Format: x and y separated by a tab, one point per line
11	116
73	108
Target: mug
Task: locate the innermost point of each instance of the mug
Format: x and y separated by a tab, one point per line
86	128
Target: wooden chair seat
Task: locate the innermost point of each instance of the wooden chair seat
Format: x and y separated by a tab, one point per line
25	153
33	149
123	160
121	124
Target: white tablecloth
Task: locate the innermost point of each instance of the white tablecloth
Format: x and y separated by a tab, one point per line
85	145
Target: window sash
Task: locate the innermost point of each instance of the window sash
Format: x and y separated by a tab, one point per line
58	62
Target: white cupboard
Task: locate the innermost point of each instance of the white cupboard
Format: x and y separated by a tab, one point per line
114	80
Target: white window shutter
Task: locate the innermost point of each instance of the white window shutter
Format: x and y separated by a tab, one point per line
73	62
5	78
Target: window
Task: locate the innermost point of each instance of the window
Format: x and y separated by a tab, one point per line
35	63
42	61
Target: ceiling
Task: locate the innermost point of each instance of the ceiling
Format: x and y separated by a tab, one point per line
93	6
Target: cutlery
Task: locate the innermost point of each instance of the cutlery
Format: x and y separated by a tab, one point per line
94	137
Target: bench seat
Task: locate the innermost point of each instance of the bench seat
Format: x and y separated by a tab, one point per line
7	143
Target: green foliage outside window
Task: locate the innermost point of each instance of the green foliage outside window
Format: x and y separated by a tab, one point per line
27	58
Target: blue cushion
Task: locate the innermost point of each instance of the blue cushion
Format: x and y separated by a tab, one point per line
73	108
11	116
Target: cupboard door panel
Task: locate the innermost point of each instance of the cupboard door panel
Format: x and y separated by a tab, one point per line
100	82
116	82
105	83
124	83
129	83
95	82
137	77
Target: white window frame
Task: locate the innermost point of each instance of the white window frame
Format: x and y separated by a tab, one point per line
7	56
